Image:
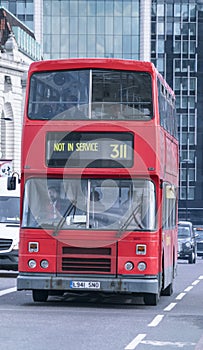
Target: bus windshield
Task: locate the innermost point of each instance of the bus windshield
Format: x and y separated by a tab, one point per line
90	204
90	94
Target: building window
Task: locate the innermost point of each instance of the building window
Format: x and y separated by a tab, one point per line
104	25
187	137
191	193
176	10
160	10
186	120
185	154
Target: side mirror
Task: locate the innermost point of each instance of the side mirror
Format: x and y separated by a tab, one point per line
11	183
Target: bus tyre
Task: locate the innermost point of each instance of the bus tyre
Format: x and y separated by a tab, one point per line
151	299
168	290
40	295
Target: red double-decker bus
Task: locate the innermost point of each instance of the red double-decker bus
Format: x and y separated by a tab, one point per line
99	180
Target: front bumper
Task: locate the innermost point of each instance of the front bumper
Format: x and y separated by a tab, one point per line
199	248
199	253
148	284
184	252
9	261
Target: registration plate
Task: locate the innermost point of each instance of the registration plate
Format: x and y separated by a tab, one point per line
85	284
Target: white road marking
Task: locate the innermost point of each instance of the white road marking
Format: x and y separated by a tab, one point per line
188	289
195	282
180	296
167	343
137	340
7	291
156	321
199	345
170	307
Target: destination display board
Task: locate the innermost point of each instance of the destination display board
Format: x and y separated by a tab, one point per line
91	150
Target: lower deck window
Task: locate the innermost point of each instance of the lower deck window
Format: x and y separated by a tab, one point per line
90	204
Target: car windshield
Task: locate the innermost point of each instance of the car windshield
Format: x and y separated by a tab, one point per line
183	232
200	235
9	209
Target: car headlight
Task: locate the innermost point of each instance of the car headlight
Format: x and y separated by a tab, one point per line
187	244
15	245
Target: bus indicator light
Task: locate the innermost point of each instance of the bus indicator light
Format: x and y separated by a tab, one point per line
141	249
33	247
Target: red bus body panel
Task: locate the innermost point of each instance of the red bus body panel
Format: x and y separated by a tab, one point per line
102	254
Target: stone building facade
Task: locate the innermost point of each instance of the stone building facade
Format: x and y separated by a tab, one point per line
18	48
13	71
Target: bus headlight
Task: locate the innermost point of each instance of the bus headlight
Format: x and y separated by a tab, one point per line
32	264
141	266
129	265
44	264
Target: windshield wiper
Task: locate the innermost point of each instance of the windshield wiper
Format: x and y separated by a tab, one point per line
128	221
61	222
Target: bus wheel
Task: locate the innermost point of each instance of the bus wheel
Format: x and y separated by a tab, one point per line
168	290
40	295
151	299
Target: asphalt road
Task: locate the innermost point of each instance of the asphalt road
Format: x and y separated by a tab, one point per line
105	323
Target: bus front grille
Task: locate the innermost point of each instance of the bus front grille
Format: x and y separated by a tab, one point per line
86	264
86	260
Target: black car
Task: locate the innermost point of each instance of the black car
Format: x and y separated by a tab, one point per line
187	246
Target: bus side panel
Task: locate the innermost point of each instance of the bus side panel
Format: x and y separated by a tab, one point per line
170	256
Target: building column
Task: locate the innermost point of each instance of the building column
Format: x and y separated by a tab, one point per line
145	30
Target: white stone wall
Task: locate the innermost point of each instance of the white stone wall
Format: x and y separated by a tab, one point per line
13	71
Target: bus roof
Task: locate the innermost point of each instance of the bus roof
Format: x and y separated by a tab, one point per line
76	63
88	63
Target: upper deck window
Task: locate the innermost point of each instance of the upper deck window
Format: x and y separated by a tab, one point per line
90	94
167	110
